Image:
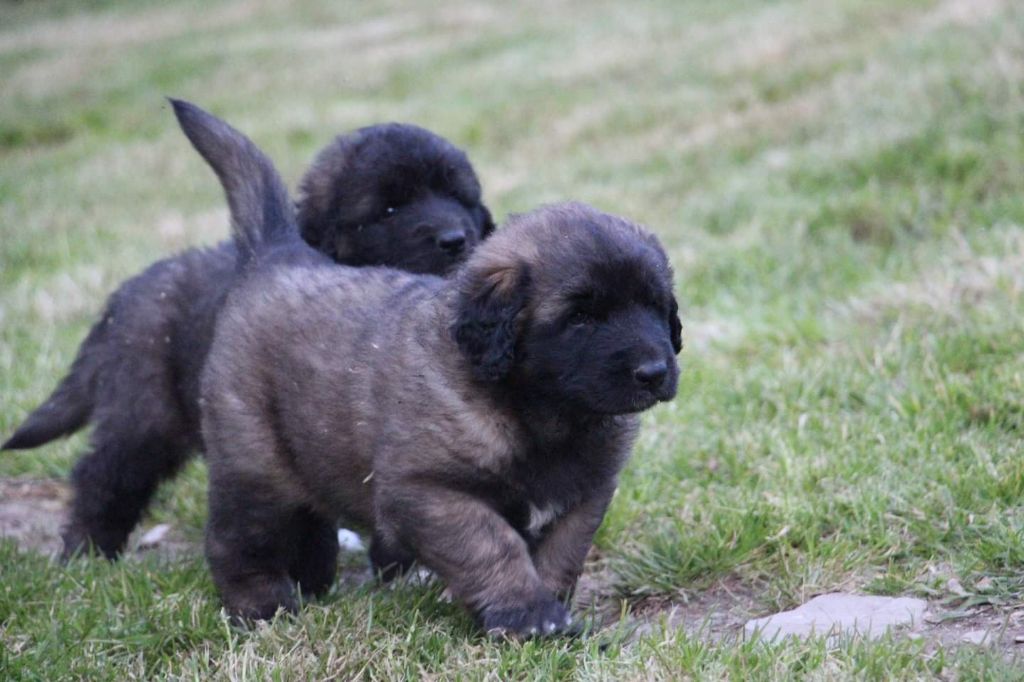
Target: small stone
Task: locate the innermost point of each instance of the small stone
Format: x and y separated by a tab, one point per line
983	585
349	541
841	614
1019	639
154	536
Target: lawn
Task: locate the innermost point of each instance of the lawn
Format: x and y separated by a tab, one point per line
839	185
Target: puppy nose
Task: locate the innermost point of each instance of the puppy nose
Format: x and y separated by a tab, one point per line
452	241
651	374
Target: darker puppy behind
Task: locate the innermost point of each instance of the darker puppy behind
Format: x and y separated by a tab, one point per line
391	194
477	424
394	195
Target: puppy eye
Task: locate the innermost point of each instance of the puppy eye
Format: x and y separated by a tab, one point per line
390	210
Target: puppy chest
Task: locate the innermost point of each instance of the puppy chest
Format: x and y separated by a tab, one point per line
531	520
538	518
541	498
544	487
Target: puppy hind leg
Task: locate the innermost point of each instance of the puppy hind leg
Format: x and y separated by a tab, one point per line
250	546
388	558
113	484
315	561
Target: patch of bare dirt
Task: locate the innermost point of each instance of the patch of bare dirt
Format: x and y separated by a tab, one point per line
32	512
986	626
714	614
720	612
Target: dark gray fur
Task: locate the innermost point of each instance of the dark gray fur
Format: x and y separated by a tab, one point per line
392	194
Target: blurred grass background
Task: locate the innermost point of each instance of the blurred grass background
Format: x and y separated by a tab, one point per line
840	186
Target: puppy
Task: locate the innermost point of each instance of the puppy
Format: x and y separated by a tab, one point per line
476	424
395	195
390	194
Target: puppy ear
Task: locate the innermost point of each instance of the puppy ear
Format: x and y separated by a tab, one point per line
313	208
486	223
309	224
323	234
321	198
485	324
675	326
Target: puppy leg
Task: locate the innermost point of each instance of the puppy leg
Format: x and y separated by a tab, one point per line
315	561
388	558
250	548
561	552
113	484
484	561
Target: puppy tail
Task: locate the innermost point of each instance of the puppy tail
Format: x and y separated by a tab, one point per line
262	215
63	413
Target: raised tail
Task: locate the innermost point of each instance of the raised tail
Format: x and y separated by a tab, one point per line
63	413
261	212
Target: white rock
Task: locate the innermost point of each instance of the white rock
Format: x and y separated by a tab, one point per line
349	541
840	614
421	576
154	536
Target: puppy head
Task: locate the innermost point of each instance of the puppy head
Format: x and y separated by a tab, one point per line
575	306
396	195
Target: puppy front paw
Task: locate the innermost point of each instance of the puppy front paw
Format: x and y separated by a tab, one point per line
541	618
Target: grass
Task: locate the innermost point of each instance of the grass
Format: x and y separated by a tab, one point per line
840	187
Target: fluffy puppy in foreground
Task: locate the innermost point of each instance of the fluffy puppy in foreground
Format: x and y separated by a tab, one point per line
475	424
391	194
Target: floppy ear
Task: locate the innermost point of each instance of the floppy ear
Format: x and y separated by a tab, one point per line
329	240
309	224
485	324
675	326
320	201
313	208
486	223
